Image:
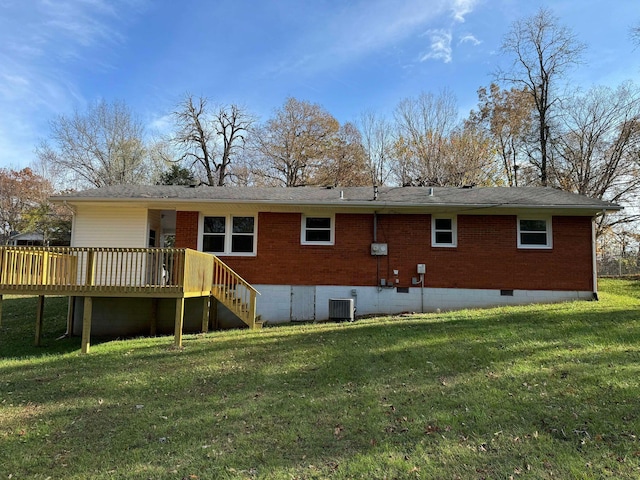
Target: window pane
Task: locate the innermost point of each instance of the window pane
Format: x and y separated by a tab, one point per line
533	225
214	225
242	224
533	238
444	238
213	243
318	222
242	243
317	236
443	224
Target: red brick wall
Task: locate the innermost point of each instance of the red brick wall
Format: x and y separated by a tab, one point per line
486	256
187	229
282	259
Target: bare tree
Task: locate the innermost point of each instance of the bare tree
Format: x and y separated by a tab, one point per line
635	34
208	140
377	142
103	146
423	127
506	117
289	147
344	163
162	158
469	159
599	151
542	51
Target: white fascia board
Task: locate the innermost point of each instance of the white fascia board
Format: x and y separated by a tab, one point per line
371	205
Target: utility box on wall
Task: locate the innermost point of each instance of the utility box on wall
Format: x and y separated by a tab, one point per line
378	249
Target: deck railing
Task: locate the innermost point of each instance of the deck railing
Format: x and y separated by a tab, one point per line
125	272
234	292
114	272
198	273
100	271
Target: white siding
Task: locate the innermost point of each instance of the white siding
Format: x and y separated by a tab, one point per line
110	227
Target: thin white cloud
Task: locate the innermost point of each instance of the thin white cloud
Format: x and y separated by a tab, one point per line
469	38
375	27
42	44
440	48
357	29
161	125
460	8
383	23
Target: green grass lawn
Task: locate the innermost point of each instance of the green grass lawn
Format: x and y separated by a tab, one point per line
548	391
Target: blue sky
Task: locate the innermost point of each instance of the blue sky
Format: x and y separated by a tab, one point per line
350	56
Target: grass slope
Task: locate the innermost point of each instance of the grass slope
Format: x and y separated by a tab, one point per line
521	392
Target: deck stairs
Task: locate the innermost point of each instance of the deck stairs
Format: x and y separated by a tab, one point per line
235	293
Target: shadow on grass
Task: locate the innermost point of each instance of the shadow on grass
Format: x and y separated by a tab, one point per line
550	390
17	331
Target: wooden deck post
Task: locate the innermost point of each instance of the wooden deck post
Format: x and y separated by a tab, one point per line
153	327
205	314
252	311
179	321
39	315
0	309
213	313
86	324
70	315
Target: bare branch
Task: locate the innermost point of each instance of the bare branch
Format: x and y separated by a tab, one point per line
103	146
542	51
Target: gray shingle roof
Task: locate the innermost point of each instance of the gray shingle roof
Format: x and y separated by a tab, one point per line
530	197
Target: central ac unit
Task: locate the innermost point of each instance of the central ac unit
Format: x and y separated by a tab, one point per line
341	309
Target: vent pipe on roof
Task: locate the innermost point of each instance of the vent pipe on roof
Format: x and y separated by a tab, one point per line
431	191
341	194
375	192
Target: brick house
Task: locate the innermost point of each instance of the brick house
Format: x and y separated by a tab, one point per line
388	249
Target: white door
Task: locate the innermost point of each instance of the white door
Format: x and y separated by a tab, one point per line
303	303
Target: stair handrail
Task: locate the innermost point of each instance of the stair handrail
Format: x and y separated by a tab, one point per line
225	287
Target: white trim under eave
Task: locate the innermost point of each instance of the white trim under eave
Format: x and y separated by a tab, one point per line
342	205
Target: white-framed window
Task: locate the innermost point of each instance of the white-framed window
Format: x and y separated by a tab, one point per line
535	232
444	231
317	230
229	234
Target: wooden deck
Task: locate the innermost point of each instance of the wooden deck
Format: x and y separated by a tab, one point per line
125	272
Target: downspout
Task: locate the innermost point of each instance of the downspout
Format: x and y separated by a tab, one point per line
422	293
375	240
594	260
71	303
375	227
